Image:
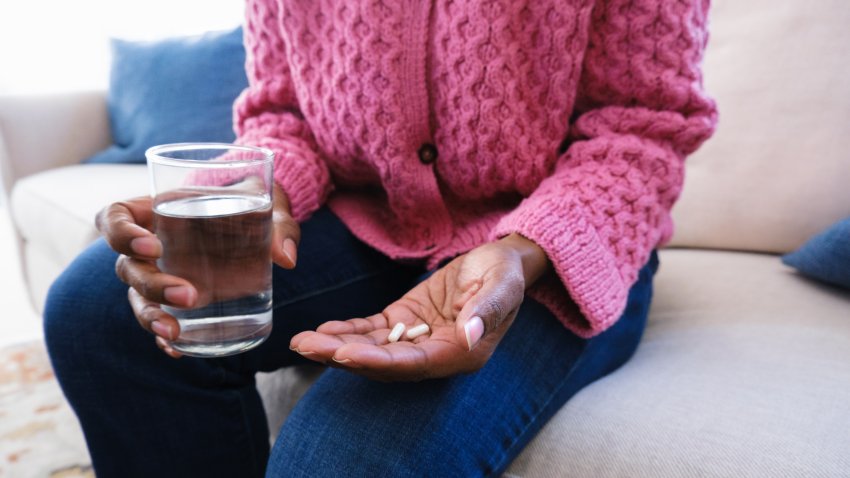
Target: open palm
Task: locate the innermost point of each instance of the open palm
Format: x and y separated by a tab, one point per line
469	304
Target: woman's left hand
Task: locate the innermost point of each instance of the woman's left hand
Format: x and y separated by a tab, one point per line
469	305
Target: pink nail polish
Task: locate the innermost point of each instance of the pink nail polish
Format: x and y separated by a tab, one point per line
290	250
473	329
179	295
161	342
146	246
161	329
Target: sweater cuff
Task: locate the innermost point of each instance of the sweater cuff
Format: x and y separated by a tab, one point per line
582	265
305	187
300	173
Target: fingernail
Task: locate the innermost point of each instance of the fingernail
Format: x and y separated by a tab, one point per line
474	329
347	362
161	329
179	295
290	249
146	246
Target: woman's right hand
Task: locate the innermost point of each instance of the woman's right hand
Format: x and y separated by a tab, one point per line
127	227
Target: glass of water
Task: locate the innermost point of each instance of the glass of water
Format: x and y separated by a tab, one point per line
212	208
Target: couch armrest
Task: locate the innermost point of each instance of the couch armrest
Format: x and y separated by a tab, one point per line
42	132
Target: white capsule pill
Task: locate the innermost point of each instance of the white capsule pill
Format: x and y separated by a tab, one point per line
420	329
395	334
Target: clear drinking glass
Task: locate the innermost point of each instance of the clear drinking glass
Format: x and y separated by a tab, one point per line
212	208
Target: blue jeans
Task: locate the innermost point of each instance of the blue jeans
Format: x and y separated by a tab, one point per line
145	414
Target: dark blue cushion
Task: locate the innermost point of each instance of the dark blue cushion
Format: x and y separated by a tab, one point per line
172	91
825	257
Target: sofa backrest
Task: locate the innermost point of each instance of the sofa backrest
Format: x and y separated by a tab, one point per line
777	170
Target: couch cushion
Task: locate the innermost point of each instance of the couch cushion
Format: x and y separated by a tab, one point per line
55	210
826	256
173	91
777	170
40	272
744	371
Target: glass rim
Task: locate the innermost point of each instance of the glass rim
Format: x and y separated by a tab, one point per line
154	154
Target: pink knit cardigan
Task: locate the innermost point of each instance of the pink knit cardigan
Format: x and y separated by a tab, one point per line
564	121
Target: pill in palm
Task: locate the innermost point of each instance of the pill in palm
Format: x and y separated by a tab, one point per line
395	334
420	329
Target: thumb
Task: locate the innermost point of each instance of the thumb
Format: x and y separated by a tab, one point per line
496	301
286	233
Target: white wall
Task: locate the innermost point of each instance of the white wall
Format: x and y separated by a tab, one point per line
63	45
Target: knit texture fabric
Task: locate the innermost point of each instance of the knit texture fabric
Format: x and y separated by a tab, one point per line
564	121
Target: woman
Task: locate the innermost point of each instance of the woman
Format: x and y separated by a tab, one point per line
502	171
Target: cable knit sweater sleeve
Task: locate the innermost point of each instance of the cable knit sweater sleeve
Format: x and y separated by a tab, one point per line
640	110
267	113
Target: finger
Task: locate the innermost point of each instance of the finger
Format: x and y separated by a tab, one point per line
152	318
354	326
385	320
165	346
154	285
322	347
296	339
126	227
498	299
287	232
407	361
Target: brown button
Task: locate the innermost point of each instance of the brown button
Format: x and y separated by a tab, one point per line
427	153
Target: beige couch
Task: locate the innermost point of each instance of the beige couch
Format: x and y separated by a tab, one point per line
745	367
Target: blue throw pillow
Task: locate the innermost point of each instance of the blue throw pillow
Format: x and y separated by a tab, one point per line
172	91
825	257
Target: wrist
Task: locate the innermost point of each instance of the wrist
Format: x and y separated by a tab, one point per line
534	260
